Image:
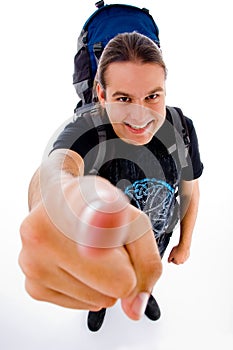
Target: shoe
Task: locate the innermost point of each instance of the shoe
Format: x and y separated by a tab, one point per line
152	310
95	319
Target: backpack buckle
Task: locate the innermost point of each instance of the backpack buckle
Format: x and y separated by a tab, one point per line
98	49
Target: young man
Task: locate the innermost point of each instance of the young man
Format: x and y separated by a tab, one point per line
115	254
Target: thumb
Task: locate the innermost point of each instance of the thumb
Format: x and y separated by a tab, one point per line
171	256
147	264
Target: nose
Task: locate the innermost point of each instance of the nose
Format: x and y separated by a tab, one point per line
137	111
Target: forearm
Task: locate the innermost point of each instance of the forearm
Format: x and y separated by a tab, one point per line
189	207
60	160
189	210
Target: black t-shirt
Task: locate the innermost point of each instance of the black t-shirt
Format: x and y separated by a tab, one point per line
149	175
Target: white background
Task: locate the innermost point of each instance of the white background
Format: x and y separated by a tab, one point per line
38	42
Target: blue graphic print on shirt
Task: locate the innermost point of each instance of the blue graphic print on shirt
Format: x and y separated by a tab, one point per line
155	198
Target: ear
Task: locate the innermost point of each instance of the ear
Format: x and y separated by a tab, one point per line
101	95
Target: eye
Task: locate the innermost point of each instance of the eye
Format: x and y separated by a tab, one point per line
123	99
152	98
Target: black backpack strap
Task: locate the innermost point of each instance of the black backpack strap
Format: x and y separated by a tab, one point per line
181	135
96	115
95	112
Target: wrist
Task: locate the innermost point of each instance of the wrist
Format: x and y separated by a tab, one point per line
185	245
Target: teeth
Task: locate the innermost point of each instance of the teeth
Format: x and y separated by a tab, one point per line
137	127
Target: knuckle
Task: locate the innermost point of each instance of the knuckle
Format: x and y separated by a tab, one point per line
21	261
23	230
104	302
98	307
126	286
95	308
28	233
28	265
34	290
110	302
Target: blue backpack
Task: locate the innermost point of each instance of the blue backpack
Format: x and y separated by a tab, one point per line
103	25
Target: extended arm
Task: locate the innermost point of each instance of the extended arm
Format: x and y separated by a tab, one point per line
60	270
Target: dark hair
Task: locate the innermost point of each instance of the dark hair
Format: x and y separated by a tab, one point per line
129	47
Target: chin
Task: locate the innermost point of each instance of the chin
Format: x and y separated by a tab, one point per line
137	141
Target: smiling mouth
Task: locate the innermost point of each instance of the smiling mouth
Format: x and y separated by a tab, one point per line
138	127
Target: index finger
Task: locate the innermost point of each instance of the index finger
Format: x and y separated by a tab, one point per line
147	265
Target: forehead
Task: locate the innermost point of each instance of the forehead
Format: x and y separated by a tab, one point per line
134	78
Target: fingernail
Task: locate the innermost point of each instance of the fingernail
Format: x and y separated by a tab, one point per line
140	303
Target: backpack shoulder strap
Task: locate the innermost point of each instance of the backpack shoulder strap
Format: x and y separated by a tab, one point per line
95	112
98	122
181	134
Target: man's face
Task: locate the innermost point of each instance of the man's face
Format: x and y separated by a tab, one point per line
134	100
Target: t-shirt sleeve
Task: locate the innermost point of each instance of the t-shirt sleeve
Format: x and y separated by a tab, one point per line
81	137
195	165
